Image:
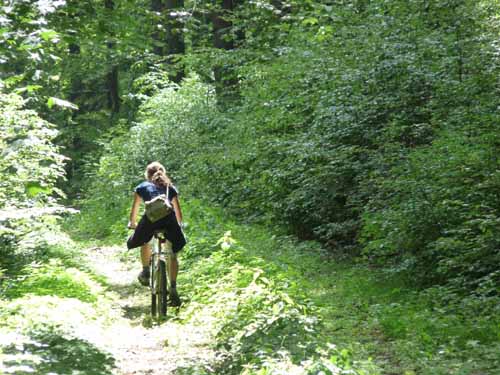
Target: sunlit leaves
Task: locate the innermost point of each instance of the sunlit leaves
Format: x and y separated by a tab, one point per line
49	6
49	35
30	164
51	102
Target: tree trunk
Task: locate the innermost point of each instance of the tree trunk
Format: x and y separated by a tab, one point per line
175	38
222	26
226	80
76	83
112	76
157	9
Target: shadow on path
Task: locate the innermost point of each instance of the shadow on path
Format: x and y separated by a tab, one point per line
49	352
134	298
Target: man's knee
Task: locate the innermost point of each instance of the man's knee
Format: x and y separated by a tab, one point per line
131	243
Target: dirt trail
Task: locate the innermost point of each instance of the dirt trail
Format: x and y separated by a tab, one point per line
137	345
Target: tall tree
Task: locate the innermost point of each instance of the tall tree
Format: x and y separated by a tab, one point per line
226	80
112	82
175	38
157	8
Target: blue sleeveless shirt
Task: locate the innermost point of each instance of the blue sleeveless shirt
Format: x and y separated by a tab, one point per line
147	191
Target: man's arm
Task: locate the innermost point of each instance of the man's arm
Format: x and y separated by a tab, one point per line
177	208
132	221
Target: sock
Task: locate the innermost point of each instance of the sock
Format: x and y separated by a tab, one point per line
173	284
145	269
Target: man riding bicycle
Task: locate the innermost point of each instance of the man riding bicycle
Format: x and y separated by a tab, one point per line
157	183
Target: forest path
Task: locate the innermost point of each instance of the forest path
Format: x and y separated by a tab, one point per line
137	343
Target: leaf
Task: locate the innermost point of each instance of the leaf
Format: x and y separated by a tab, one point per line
287	299
30	89
60	103
310	21
34	188
49	35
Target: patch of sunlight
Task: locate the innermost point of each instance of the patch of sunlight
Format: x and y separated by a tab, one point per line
53	238
284	365
16	360
24	313
46	349
49	239
21	369
56	280
328	360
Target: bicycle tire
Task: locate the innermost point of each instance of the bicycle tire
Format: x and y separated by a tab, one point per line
154	287
162	289
153	304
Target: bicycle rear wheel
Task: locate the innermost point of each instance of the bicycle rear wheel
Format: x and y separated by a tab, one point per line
154	286
162	289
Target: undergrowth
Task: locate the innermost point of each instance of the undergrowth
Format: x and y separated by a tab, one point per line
281	306
50	305
273	305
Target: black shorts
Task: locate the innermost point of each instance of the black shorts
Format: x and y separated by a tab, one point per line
145	230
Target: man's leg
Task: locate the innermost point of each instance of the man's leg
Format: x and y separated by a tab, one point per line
141	237
173	269
145	259
145	254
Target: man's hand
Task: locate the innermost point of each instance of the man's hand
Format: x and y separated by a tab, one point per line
131	225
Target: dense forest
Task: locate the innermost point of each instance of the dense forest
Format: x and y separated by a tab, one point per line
363	134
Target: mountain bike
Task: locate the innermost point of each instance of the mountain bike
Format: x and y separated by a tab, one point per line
159	287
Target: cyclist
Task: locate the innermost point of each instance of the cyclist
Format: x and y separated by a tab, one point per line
157	182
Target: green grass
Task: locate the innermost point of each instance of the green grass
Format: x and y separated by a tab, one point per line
53	279
47	295
268	286
48	262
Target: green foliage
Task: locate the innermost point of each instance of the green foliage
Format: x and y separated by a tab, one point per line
434	332
45	263
346	122
52	279
30	164
441	210
370	126
348	149
247	285
30	168
48	301
282	306
332	99
48	350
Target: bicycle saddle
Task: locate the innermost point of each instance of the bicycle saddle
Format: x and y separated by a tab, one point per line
160	234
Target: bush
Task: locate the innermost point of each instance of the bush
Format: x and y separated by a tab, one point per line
30	168
441	212
30	165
